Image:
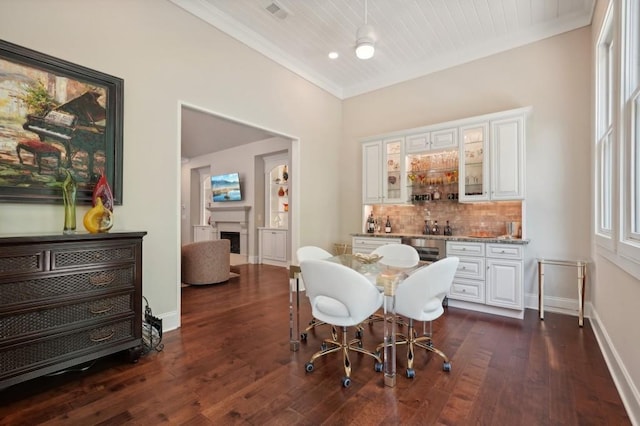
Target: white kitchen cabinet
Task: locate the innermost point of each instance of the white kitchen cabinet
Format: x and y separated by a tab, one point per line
272	246
492	158
365	245
383	171
504	283
203	233
507	158
444	139
372	172
489	277
437	139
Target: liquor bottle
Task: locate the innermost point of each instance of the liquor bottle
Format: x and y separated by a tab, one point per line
427	228
371	225
435	230
436	194
387	226
447	229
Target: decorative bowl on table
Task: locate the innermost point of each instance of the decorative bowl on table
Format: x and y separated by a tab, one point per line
367	258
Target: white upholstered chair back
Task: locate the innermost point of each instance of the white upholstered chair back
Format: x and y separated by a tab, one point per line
421	294
398	255
339	295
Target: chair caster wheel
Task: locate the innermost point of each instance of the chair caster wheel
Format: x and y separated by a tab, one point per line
411	373
308	367
446	366
346	382
378	367
303	337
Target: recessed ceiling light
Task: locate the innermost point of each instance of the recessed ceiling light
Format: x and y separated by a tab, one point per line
333	55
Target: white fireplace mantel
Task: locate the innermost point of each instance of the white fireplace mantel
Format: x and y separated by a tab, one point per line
232	219
230	214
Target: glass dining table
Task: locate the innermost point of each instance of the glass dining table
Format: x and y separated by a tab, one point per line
385	278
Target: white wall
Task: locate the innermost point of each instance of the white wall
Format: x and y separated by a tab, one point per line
242	160
616	296
165	56
551	76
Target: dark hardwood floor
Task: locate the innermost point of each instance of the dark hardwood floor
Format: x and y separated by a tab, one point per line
230	364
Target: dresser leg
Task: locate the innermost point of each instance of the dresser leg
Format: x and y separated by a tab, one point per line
134	354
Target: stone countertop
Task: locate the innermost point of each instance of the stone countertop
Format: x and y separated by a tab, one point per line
502	240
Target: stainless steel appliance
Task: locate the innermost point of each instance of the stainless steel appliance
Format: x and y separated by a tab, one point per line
429	249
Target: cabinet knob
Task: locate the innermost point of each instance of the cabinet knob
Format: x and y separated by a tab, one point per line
503	251
464	267
464	290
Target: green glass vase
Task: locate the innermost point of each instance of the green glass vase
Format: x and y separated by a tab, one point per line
69	188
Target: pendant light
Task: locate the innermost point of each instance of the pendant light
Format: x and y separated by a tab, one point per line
365	38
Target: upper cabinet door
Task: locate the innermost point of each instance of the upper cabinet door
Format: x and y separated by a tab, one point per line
444	139
417	143
372	159
507	158
474	165
393	189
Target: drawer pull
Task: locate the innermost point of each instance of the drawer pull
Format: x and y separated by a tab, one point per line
97	339
100	309
102	279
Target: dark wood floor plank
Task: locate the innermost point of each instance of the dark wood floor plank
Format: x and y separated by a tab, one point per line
230	363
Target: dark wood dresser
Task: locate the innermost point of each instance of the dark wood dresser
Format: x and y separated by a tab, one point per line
66	300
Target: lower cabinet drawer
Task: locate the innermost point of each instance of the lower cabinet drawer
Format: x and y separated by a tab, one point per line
48	320
471	267
470	290
365	245
59	347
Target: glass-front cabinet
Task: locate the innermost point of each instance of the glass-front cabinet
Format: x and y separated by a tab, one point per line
392	188
276	193
474	168
432	176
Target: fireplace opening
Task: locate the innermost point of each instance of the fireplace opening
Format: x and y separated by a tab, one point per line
234	238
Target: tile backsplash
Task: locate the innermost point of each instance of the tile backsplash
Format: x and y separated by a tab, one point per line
464	219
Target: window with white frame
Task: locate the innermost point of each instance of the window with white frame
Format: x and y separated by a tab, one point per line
617	130
605	129
630	157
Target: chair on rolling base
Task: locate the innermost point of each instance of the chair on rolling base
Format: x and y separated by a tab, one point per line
312	253
395	256
344	298
398	256
419	298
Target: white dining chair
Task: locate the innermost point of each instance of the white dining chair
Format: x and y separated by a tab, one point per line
396	255
342	297
419	298
312	253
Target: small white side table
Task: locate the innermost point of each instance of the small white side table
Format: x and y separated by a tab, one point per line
581	266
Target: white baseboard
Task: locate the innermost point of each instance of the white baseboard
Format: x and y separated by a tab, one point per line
560	305
479	307
626	388
170	321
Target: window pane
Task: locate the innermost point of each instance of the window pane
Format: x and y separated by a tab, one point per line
635	171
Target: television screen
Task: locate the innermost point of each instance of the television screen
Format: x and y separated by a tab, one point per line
226	187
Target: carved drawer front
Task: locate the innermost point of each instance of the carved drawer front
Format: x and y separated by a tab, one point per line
48	320
19	261
76	256
45	351
471	290
62	285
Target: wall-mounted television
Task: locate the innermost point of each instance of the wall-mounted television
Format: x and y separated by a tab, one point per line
226	187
